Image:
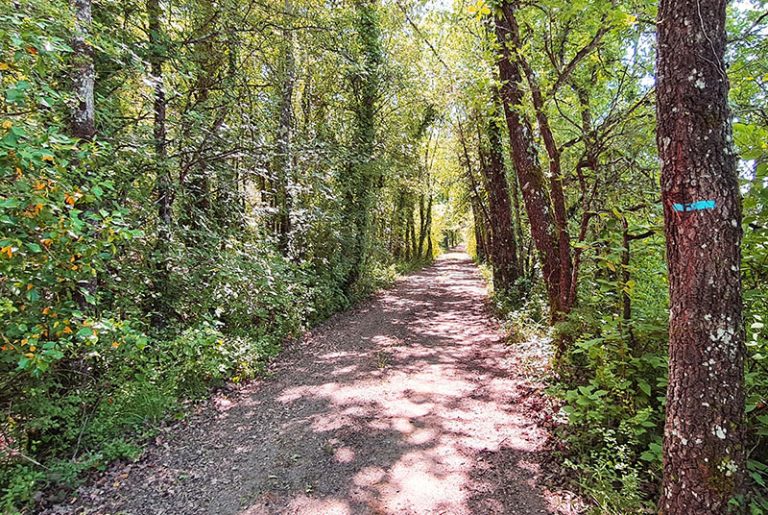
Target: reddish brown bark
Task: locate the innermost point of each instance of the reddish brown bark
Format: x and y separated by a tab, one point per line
525	159
555	175
704	461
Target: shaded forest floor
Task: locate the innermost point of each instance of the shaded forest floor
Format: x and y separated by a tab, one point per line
409	403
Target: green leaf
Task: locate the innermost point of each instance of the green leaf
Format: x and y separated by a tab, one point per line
85	332
34	247
644	386
9	203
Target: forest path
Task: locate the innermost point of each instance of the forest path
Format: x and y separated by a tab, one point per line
409	403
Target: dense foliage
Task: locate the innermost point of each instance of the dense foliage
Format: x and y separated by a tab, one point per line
587	81
255	167
259	165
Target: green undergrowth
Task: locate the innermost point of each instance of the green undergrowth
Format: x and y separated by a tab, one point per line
611	383
611	387
116	385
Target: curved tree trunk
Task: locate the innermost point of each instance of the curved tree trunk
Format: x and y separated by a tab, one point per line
555	176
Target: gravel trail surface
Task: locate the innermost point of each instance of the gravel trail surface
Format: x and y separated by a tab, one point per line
410	403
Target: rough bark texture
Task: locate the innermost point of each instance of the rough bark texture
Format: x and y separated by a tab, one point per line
82	123
503	247
703	440
535	194
83	73
555	173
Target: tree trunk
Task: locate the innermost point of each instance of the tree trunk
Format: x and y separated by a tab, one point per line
478	227
156	58
422	226
704	458
162	303
503	247
430	250
398	229
521	245
283	161
414	241
524	156
481	215
555	174
83	124
626	298
407	221
362	174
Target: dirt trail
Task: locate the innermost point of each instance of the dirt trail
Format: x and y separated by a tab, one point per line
410	403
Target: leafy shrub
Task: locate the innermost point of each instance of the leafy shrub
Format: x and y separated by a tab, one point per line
114	384
610	475
613	387
524	315
612	382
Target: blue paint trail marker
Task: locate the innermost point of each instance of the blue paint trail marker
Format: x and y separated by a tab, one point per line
700	205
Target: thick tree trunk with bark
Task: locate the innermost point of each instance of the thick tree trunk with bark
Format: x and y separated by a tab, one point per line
704	460
83	124
503	247
524	156
555	174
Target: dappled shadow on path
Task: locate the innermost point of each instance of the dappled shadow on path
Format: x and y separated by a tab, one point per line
405	404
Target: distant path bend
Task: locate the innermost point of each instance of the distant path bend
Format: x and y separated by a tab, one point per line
410	403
